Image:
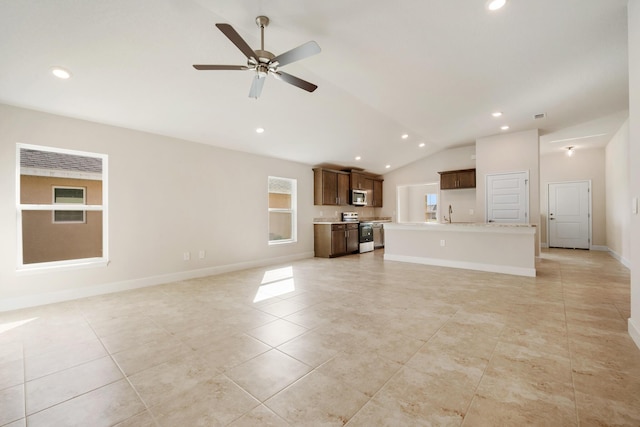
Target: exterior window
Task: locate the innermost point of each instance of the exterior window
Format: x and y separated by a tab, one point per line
282	210
68	195
431	205
62	207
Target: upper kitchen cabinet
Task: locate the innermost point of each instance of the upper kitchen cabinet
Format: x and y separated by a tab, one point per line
331	187
464	178
376	199
358	181
369	183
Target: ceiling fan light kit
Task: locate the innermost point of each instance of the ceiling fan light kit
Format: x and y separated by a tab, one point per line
263	62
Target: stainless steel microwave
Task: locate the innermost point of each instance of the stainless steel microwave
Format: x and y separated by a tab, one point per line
358	198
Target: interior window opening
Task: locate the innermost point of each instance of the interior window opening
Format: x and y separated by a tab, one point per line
282	210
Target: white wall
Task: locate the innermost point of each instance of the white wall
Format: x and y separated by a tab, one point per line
617	194
584	165
425	171
166	196
634	162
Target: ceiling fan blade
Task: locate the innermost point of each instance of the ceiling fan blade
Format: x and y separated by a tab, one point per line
220	67
297	53
256	87
237	40
302	84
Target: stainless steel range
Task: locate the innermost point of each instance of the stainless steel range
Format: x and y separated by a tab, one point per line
365	231
366	237
350	216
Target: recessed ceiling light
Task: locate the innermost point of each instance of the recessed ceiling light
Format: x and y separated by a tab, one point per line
259	130
505	127
497	114
496	4
387	166
358	157
422	144
60	73
405	136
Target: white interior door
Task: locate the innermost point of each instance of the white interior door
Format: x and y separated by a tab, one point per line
508	197
569	214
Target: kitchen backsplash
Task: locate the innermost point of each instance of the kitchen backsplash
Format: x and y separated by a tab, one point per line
336	211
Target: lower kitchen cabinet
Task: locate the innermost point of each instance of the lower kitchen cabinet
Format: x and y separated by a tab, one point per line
332	240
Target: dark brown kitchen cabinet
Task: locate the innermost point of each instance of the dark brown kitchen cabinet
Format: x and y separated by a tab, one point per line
376	199
330	187
353	238
361	181
357	181
333	240
452	180
372	185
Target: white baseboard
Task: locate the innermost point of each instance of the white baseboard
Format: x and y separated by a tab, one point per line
17	303
634	331
622	260
599	248
504	269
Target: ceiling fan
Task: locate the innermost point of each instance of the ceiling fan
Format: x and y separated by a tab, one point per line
264	62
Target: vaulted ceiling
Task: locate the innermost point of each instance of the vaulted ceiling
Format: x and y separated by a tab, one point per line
432	69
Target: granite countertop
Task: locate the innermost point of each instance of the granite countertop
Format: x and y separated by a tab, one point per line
466	224
375	219
475	227
339	221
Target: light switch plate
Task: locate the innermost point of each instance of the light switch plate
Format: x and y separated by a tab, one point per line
634	206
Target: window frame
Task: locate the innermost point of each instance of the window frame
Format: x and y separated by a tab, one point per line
20	207
53	200
293	211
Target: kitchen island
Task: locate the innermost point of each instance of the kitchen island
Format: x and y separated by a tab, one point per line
498	248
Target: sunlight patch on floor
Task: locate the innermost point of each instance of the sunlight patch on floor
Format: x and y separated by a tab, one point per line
4	327
274	283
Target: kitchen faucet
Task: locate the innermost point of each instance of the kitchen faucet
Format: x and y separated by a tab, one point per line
450	212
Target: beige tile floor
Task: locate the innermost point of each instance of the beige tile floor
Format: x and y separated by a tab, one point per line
354	340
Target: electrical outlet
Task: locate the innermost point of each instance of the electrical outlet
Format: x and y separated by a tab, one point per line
442	242
471	212
201	254
186	256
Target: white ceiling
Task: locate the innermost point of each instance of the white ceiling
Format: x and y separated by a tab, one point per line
434	69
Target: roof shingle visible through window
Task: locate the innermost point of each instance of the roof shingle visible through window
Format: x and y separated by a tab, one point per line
59	161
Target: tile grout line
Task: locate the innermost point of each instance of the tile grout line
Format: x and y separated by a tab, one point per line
24	383
125	376
483	372
402	366
566	325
